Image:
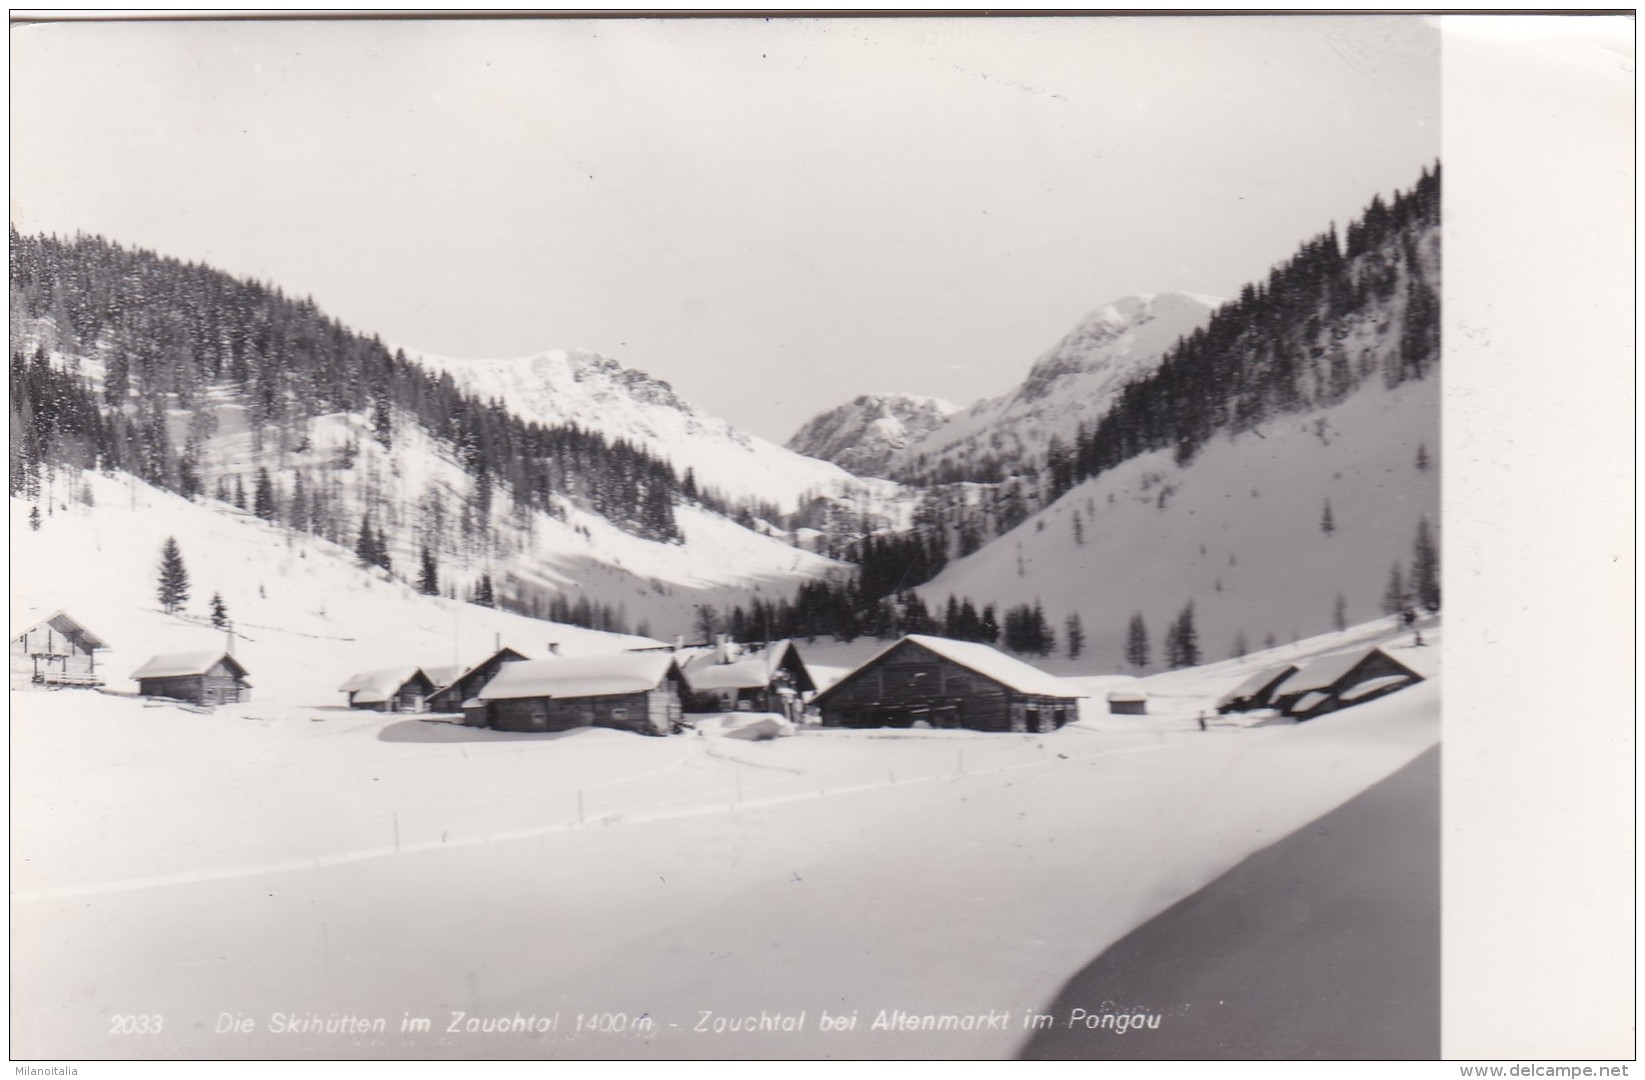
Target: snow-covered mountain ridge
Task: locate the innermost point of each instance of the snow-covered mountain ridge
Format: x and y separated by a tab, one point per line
1072	382
865	433
597	393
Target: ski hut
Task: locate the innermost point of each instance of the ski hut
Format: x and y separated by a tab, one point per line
770	679
203	678
637	692
1335	682
451	694
56	651
1128	702
1256	692
396	689
947	684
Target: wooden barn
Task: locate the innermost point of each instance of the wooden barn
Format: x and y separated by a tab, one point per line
1128	702
450	695
637	692
396	689
1335	682
948	684
56	651
769	679
204	678
1256	692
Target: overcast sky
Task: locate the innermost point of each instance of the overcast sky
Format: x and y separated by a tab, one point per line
774	216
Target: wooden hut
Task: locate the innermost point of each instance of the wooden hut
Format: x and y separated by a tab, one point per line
204	678
1128	702
770	679
56	651
449	697
396	689
1257	691
1335	682
948	684
637	692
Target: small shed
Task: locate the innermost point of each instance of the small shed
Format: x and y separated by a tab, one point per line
1257	691
1334	682
56	651
948	684
1128	702
637	692
450	695
772	678
204	678
396	689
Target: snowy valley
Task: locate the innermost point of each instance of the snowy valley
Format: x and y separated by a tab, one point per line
1269	467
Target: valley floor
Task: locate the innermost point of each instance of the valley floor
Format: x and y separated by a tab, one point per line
273	880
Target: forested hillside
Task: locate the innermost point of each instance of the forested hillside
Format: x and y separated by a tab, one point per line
162	344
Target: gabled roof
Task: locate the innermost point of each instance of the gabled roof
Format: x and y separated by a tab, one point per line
579	676
380	685
63	623
173	665
985	660
1256	682
1321	673
457	675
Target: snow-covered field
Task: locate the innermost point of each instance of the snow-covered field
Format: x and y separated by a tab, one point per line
281	860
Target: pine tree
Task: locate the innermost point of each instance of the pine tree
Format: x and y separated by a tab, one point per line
484	594
1394	598
239	493
1339	613
1422	457
382	423
1182	640
1074	634
173	589
365	547
1425	567
1136	642
1240	646
381	547
1327	523
1079	530
34	518
428	579
990	628
219	611
263	498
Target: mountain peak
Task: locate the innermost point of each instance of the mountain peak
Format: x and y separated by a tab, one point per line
866	432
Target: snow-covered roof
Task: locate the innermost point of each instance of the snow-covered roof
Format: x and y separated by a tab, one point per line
1127	695
742	675
579	676
442	674
1320	673
61	622
1255	682
707	671
1308	701
379	685
1371	686
451	674
172	665
986	661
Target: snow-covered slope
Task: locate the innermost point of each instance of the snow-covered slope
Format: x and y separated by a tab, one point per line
306	617
1238	531
1072	382
599	394
865	433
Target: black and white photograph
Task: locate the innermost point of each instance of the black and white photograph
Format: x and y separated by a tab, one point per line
795	537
